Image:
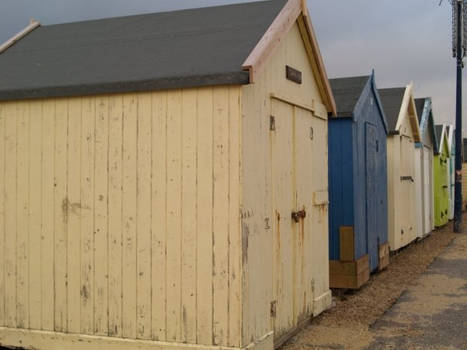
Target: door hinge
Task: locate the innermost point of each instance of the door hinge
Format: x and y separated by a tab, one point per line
273	309
272	123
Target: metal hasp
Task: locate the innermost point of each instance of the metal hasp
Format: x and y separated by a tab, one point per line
458	11
297	215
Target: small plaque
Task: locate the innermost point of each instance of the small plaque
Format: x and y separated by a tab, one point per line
293	74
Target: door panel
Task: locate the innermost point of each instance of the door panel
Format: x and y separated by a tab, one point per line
305	157
292	175
427	190
371	198
406	203
283	184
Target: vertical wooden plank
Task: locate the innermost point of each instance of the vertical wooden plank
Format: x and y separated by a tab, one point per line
10	214
221	215
235	242
2	214
22	222
35	214
61	216
189	210
47	239
174	153
87	215
101	232
72	208
115	214
159	210
204	217
144	315
130	109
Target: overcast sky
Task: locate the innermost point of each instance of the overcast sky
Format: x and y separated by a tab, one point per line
402	40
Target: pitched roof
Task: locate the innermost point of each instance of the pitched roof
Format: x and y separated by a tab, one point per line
420	105
464	156
347	92
392	101
195	47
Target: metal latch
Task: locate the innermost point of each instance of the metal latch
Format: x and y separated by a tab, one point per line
409	178
297	215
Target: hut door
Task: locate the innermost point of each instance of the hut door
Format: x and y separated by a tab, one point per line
427	189
406	201
291	197
371	150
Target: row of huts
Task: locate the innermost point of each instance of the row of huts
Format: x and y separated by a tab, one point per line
193	180
391	176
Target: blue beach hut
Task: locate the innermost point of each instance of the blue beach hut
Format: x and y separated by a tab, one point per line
358	223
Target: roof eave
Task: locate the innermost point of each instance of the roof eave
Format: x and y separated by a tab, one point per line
234	78
13	40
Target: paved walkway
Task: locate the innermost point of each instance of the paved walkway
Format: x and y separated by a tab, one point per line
431	314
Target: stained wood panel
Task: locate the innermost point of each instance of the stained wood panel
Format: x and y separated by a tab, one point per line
121	216
72	210
61	216
22	210
174	206
143	223
47	203
189	210
115	215
35	214
10	113
204	217
158	216
101	231
129	212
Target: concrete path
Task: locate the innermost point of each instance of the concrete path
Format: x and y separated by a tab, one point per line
431	314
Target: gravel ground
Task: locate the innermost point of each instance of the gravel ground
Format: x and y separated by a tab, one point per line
347	324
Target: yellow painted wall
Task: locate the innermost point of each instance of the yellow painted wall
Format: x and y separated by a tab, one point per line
262	158
120	216
401	193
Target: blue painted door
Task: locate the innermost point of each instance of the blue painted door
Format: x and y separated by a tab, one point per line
371	154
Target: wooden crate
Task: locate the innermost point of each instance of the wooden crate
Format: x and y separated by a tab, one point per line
349	274
383	256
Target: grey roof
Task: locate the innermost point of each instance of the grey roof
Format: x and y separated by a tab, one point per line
464	155
420	105
187	48
347	92
391	100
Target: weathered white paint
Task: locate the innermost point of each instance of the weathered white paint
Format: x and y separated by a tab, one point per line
402	192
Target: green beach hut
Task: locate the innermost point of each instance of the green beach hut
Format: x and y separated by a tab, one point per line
441	187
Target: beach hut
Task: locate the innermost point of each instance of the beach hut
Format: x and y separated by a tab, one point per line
451	138
358	241
401	115
424	167
165	180
441	165
464	175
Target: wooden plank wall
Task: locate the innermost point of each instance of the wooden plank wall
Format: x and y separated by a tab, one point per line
258	214
119	216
